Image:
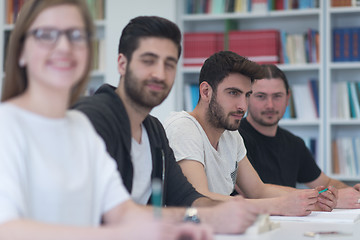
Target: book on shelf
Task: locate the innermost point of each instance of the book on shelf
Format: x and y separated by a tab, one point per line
305	106
199	46
97	9
99	55
314	90
345	156
242	6
335	157
341	3
300	47
290	109
191	96
12	10
261	46
345	100
257	6
346	43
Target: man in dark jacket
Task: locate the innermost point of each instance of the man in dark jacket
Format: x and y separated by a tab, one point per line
149	50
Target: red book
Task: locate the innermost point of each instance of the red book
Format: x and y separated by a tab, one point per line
261	46
279	4
199	46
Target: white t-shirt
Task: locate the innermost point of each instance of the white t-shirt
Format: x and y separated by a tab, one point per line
55	170
141	187
189	141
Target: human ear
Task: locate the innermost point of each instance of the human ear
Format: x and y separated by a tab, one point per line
122	63
205	91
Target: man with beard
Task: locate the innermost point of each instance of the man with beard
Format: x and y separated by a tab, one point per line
149	50
277	155
211	152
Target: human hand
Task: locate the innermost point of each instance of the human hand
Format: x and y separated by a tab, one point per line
163	230
299	202
349	197
327	200
233	216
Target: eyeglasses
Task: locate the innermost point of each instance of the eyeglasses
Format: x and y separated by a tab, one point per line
49	36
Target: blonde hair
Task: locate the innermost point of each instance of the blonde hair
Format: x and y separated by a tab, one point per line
16	80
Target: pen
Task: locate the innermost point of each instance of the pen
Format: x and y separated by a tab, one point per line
323	190
156	197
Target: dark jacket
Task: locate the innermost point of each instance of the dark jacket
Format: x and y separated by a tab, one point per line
107	113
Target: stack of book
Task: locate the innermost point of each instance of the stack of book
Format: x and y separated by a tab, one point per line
346	42
261	46
346	156
12	10
345	3
199	46
345	100
237	6
306	99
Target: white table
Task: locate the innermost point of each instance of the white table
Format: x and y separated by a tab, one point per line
290	230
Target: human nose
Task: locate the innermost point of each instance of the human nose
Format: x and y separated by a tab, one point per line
159	72
269	102
243	103
63	42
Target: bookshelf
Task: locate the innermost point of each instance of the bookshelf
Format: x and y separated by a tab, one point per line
292	21
98	10
345	129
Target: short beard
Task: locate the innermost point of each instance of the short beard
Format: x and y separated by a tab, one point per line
134	89
261	122
216	116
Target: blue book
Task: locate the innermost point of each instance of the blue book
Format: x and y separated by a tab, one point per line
337	38
287	114
347	44
352	106
194	90
285	56
355	44
314	89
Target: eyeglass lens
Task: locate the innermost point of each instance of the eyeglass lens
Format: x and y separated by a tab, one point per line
49	36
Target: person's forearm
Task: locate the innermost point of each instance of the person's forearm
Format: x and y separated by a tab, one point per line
272	191
271	205
338	184
24	229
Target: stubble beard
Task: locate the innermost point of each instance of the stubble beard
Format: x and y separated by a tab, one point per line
216	116
136	92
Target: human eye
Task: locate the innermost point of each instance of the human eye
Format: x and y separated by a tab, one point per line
260	96
278	96
170	65
233	93
77	35
148	61
46	34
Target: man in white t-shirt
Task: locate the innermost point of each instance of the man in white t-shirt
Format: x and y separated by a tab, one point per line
210	151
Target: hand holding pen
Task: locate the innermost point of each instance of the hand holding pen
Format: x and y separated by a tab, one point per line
327	199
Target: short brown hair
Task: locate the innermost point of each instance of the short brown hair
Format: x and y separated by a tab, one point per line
221	64
15	76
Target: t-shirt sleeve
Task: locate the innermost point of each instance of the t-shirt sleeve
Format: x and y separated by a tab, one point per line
12	203
308	170
240	146
185	140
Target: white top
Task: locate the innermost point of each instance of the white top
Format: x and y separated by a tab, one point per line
141	187
189	141
55	170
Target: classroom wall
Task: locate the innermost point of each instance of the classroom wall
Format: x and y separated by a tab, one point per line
119	12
